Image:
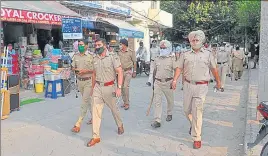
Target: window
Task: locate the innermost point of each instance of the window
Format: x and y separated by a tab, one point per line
153	4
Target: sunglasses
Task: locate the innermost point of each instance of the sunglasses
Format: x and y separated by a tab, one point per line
163	48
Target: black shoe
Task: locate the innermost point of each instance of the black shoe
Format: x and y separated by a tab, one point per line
253	68
222	89
236	79
211	80
181	88
169	118
156	124
148	83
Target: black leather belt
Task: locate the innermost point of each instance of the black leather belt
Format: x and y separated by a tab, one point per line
164	80
221	62
84	78
152	60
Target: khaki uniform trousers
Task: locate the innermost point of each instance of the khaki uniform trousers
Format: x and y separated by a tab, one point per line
84	88
161	88
151	72
193	99
103	95
222	70
125	88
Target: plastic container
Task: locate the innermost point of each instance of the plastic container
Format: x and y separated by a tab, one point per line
37	52
54	66
56	52
39	79
39	87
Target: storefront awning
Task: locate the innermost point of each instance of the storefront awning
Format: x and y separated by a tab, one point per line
126	29
44	12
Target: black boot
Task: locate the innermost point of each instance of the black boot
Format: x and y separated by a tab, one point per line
156	124
169	118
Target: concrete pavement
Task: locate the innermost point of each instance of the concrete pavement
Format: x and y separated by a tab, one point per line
44	129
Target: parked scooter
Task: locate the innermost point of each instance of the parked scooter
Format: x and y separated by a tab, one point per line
263	109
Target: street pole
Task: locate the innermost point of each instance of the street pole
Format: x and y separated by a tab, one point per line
263	57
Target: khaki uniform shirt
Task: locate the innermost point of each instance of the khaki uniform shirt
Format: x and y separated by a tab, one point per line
127	58
155	51
196	66
165	66
83	62
105	67
223	56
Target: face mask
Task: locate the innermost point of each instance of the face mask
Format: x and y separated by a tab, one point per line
197	46
99	50
81	49
121	47
256	45
164	52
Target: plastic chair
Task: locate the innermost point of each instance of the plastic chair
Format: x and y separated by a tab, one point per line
54	94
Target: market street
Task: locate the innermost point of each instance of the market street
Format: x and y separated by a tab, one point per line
44	128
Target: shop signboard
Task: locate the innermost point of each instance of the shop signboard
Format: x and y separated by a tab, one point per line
72	28
13	15
115	7
130	33
91	4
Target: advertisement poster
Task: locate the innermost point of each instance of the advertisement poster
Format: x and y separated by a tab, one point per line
72	28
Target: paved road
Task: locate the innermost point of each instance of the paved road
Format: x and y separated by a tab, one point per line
43	129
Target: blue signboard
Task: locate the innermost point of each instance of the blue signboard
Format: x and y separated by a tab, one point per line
87	24
72	28
130	33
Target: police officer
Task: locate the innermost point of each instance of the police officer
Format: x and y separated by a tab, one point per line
105	67
83	65
223	61
128	61
214	51
165	64
154	52
238	61
196	65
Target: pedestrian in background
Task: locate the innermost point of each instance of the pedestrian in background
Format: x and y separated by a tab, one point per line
256	56
165	65
105	67
128	61
214	51
82	64
238	61
154	52
223	61
141	55
196	65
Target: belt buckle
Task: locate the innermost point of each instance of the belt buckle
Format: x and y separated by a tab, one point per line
102	83
193	82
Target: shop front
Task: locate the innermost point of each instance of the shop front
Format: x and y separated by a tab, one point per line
26	25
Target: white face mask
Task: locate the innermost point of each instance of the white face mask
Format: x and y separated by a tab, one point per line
164	52
197	46
120	47
256	45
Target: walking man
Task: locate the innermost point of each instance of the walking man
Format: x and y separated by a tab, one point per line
223	61
214	51
154	52
128	61
82	64
196	65
165	65
238	61
256	56
105	67
141	55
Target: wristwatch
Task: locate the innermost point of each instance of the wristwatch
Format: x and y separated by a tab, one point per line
119	86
